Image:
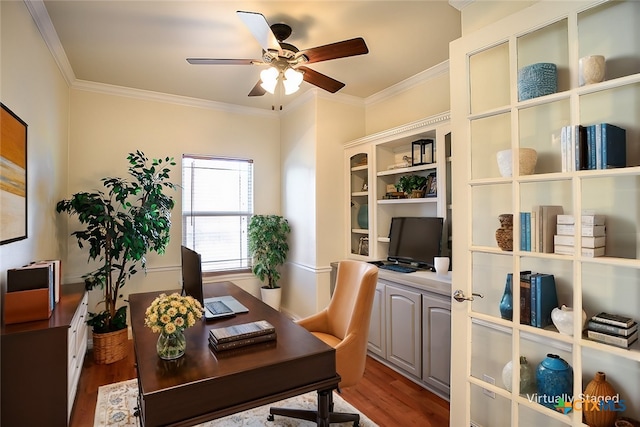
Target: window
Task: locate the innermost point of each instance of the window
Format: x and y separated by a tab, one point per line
217	203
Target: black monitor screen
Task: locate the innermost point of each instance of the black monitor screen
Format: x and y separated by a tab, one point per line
192	274
415	240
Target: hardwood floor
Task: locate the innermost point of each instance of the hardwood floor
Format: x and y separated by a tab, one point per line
386	397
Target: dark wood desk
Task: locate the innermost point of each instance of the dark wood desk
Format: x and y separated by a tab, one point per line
203	385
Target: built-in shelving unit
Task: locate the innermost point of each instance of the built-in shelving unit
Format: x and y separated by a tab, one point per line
487	118
388	157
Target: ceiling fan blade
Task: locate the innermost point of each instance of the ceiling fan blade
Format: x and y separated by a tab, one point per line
213	61
336	50
259	27
257	90
320	80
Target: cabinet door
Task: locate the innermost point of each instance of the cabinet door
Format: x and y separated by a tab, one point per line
403	329
494	110
377	328
436	341
358	196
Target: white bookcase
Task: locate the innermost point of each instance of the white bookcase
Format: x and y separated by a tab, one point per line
378	160
488	117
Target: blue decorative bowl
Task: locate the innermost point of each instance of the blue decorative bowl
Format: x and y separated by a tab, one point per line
537	80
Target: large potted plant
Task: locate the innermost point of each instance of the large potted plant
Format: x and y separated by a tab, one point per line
120	226
268	247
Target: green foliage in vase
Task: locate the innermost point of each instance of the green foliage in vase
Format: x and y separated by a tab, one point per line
268	246
408	183
121	225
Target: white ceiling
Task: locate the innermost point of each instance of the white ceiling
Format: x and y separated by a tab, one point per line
143	44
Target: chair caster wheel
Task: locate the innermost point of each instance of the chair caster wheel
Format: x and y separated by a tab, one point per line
270	417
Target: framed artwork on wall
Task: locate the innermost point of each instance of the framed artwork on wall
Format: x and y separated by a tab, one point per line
13	177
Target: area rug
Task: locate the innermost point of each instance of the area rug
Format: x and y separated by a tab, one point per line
116	403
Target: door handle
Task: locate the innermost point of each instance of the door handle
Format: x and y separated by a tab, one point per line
458	295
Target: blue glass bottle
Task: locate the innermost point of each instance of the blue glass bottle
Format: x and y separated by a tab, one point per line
506	303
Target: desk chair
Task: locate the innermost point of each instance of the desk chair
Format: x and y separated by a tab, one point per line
344	325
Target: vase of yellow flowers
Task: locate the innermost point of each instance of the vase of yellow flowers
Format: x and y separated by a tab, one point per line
170	315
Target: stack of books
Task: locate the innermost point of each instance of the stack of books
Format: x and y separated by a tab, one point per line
598	146
593	234
32	291
236	336
613	329
538	297
538	227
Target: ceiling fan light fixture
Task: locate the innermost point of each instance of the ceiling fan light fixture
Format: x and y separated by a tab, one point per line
269	79
292	81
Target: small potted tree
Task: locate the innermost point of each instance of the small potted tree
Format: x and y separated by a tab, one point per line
121	226
268	247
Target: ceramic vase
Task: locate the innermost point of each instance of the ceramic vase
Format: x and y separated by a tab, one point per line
527	159
562	319
591	69
504	234
554	379
171	346
506	302
363	216
526	375
600	390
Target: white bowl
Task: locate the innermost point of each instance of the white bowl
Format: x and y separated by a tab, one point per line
528	158
563	319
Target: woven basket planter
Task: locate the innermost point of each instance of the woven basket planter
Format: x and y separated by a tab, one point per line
110	347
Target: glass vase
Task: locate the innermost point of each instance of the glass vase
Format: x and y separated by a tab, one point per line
171	346
506	303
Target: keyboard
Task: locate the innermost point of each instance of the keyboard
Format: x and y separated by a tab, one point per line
399	268
218	307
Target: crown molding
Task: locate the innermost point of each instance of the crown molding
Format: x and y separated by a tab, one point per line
411	82
168	98
399	131
41	17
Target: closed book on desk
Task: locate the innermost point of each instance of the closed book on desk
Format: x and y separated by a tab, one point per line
242	331
241	342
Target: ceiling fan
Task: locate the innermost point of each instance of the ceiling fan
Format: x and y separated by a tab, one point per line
285	61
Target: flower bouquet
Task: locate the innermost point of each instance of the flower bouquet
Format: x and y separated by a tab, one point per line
170	315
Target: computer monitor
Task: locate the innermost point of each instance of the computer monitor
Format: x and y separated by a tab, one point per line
192	274
415	240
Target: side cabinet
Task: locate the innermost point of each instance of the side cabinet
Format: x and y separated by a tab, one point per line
410	328
377	339
403	329
41	363
436	341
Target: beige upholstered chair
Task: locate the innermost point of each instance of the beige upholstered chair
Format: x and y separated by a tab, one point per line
344	325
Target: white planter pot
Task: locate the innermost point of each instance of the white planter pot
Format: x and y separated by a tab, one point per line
271	297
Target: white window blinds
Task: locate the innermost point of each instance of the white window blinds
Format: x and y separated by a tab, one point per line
217	203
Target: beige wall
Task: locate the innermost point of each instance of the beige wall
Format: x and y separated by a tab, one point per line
480	13
32	87
424	98
79	135
106	127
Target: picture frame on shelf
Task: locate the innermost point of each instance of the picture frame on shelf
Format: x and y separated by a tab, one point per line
432	186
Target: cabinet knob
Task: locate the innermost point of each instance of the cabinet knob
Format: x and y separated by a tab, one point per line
458	295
